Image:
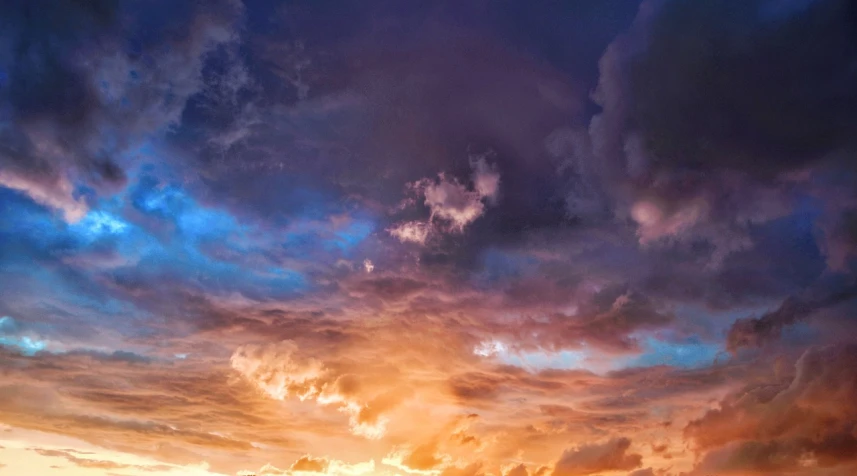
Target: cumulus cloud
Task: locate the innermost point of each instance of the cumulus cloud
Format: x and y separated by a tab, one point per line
412	231
282	372
309	464
451	201
519	470
452	205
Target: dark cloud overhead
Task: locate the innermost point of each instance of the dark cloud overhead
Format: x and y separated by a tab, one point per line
721	85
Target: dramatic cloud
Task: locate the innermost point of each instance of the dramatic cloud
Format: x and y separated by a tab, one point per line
282	372
785	426
449	238
77	103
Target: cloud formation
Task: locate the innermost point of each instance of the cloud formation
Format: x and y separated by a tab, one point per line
282	372
459	238
784	425
452	205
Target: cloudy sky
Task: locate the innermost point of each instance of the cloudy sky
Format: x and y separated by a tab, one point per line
428	238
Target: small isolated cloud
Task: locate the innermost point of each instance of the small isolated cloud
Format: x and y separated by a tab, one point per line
412	231
595	458
453	204
368	265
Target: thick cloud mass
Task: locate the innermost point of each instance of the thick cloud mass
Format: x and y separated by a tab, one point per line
721	86
776	428
447	238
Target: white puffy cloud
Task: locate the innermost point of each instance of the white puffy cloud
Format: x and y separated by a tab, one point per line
411	231
451	201
453	205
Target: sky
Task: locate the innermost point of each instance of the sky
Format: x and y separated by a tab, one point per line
428	238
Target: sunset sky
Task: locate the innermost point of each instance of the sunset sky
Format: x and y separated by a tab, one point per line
428	238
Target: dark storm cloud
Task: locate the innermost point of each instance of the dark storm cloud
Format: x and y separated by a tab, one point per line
42	41
710	110
84	83
721	86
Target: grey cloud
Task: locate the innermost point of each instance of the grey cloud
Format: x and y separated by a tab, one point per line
756	331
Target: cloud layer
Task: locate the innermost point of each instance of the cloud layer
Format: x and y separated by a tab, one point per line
460	238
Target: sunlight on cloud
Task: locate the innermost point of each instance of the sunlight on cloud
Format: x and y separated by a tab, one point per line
456	238
99	223
534	360
412	231
58	196
281	372
329	467
32	452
